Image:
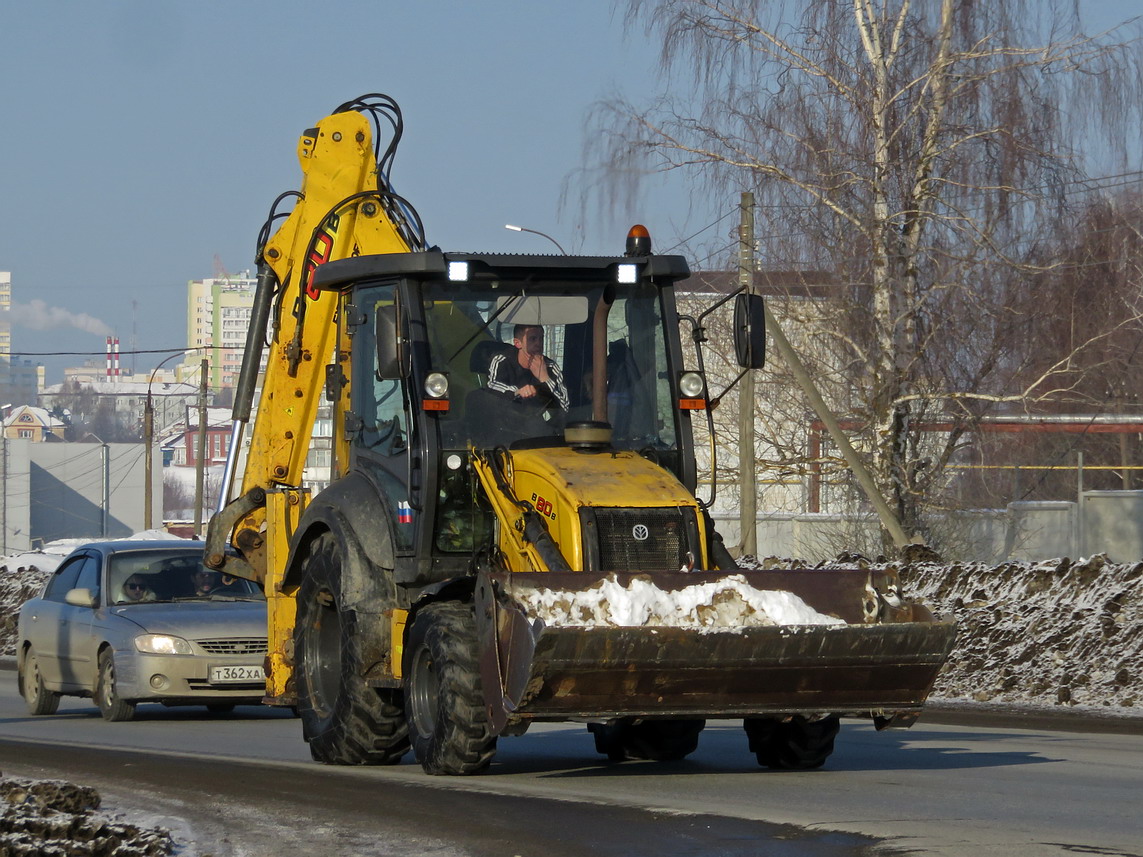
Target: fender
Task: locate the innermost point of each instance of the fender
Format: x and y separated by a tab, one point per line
353	509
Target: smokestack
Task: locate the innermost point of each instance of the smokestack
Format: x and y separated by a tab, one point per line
107	371
116	378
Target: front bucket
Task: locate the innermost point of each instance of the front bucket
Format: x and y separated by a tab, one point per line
846	662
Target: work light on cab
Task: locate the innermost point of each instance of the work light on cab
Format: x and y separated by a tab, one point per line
436	392
692	391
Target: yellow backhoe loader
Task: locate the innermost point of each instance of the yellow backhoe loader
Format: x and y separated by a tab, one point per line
509	539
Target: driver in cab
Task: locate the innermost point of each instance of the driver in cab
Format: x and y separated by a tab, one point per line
530	376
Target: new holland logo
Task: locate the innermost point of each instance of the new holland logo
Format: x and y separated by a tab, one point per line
640	532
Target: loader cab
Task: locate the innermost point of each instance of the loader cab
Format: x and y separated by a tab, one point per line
426	329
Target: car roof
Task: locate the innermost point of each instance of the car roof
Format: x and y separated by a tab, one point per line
124	545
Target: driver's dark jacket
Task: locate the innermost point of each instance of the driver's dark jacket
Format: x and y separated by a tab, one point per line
506	375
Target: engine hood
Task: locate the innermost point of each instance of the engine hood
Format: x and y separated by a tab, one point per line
199	619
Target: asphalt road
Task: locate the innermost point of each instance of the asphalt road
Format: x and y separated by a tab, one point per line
244	785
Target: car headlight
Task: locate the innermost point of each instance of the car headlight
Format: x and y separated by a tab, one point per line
162	644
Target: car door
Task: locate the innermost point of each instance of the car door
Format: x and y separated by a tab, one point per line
83	626
46	625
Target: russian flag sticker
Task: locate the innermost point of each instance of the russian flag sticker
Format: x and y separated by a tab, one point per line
404	513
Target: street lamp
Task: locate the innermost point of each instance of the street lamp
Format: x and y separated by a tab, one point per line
535	232
149	438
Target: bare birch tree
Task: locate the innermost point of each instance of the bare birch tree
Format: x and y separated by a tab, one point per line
922	152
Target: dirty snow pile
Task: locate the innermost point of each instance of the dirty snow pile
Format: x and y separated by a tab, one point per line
1053	633
45	818
1057	634
17	585
714	606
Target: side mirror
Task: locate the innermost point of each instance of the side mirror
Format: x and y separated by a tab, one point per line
388	344
750	331
80	598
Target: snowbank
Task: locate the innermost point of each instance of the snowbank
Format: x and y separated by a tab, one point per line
1050	634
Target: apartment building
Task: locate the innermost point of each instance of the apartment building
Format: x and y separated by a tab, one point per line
218	313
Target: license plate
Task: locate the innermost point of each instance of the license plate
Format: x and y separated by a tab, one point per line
228	675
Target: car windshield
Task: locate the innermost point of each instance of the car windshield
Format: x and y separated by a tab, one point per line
143	576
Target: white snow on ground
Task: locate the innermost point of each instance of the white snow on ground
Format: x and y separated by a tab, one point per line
713	606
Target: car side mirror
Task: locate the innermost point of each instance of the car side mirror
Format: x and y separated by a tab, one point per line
80	598
388	344
750	331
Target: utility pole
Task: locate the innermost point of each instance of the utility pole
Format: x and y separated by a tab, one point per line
106	504
200	464
4	488
748	490
148	464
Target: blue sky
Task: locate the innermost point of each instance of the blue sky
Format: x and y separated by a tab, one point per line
143	139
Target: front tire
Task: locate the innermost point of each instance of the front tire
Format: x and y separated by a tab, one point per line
444	701
796	744
345	721
38	698
111	705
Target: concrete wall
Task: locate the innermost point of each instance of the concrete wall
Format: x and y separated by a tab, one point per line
89	490
15	524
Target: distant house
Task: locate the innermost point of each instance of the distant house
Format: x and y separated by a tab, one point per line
32	423
218	435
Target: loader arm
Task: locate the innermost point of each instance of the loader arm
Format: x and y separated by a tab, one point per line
345	208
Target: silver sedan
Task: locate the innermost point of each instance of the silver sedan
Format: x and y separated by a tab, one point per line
142	621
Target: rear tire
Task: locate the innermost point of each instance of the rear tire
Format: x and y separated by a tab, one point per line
792	745
39	699
657	740
345	721
448	725
111	705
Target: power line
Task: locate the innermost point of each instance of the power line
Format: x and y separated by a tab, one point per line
127	353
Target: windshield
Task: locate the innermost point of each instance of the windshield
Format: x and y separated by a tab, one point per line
157	576
520	361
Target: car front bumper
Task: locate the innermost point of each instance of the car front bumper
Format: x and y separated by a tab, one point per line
184	678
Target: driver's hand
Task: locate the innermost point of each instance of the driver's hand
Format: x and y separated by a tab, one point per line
538	367
526	392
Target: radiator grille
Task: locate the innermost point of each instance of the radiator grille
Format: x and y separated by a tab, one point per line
235	646
643	539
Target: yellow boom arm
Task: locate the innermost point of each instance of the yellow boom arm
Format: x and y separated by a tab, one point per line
342	212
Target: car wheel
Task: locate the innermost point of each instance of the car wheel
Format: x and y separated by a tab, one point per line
448	724
344	720
39	699
112	706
